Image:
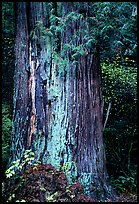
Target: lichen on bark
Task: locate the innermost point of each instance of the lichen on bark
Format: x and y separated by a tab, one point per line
58	106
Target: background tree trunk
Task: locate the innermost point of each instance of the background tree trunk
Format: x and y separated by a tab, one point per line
58	108
21	96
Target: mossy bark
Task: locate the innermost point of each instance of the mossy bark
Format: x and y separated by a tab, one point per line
58	113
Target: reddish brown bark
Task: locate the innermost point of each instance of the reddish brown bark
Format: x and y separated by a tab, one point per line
65	126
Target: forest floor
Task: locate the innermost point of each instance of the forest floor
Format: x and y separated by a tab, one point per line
127	197
46	184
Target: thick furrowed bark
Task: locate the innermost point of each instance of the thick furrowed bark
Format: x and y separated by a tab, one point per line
21	96
86	125
59	116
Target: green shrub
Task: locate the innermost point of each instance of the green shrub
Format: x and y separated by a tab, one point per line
18	165
6	135
14	175
127	183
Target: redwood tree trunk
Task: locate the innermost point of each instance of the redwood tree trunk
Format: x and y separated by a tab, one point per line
58	108
21	95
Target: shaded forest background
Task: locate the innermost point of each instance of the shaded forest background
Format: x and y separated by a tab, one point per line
119	88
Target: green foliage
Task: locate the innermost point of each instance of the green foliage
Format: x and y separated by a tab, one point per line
59	23
60	64
119	85
12	196
6	134
28	160
116	25
20	200
8	30
78	51
127	183
8	18
109	24
7	67
14	174
121	146
67	166
52	198
119	79
73	16
44	33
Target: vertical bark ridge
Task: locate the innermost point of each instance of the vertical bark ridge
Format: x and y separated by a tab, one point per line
21	97
43	83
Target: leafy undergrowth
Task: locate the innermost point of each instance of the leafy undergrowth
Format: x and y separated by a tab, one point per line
127	197
46	184
43	184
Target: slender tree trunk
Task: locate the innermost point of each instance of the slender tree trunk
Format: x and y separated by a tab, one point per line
58	108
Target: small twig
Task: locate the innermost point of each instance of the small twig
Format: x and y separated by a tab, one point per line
107	115
129	155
